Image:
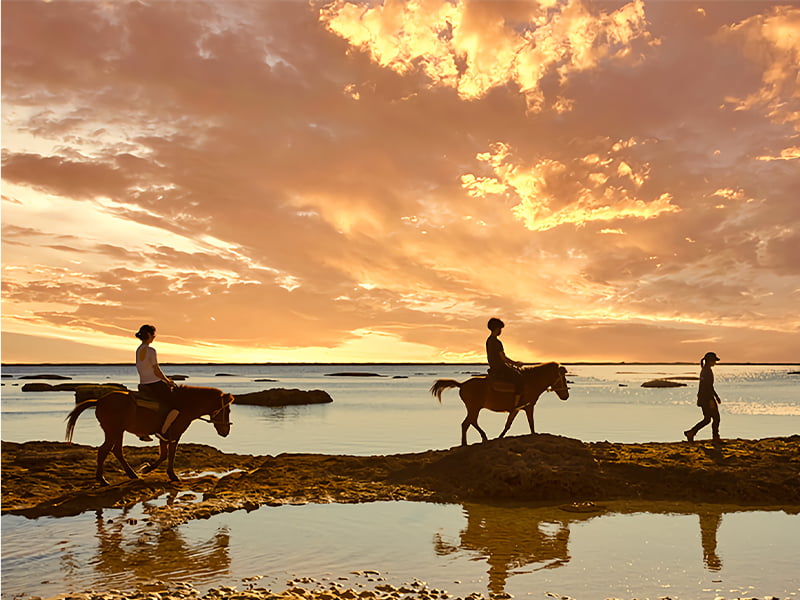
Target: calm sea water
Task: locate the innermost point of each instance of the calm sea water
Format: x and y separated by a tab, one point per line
648	550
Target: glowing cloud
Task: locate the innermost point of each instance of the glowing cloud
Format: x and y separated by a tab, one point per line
477	46
600	189
772	41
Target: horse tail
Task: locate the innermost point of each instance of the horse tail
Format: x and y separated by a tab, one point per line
443	384
72	417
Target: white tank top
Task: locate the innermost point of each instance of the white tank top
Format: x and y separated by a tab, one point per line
146	367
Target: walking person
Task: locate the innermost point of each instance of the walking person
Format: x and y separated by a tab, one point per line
152	380
707	399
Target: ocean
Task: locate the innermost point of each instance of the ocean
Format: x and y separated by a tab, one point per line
631	550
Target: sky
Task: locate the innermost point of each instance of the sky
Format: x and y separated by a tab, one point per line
292	181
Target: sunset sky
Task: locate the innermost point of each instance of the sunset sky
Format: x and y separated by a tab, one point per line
371	181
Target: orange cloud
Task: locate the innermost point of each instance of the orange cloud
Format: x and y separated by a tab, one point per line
475	47
550	192
771	41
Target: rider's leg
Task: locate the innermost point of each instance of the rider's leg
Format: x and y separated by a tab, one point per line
519	392
171	416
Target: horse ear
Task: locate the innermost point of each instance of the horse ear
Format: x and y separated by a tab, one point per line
228	398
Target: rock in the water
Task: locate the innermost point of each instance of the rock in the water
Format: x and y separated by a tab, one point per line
353	374
44	377
284	397
94	391
662	383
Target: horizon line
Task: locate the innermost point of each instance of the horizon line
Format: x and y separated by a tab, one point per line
378	363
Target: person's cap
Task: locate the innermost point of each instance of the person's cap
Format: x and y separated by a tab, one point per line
711	356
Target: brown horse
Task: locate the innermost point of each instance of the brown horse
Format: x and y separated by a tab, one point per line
119	412
479	392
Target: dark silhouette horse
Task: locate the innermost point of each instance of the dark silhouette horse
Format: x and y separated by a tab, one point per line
480	392
119	412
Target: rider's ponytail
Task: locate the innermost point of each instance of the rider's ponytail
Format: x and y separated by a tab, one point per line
145	331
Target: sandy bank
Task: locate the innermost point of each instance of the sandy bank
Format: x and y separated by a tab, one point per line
53	478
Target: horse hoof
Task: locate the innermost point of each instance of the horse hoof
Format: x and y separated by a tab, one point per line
102	482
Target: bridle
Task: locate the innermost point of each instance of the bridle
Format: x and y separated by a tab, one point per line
213	416
562	384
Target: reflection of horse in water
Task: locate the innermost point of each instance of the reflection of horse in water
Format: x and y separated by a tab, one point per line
128	548
119	412
480	392
513	537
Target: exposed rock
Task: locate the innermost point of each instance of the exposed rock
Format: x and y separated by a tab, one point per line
178	377
284	397
67	387
51	478
662	383
353	374
93	391
44	377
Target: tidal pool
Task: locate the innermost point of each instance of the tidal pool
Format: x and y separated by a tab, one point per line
646	550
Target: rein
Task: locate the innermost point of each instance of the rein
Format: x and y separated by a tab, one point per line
211	416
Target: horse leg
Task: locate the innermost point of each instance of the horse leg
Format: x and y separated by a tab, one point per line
471	419
173	447
162	455
529	414
102	454
117	450
512	414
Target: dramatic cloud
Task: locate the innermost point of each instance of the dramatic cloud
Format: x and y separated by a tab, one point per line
342	180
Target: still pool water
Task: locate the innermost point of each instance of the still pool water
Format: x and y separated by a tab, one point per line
645	551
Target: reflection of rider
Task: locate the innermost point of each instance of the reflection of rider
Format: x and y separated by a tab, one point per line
151	380
500	366
510	538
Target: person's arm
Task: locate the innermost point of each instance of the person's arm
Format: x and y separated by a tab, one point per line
509	362
159	373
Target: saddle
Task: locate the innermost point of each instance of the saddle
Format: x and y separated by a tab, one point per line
148	402
500	386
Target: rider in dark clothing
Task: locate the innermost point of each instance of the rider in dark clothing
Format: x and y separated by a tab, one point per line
500	366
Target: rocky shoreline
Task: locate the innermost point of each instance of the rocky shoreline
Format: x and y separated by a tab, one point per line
308	589
57	479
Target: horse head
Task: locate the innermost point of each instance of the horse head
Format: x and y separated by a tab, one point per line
559	386
221	417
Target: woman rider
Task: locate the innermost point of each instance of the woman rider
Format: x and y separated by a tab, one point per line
151	380
500	366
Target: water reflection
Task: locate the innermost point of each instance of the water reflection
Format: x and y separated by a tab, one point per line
709	526
512	538
518	540
134	551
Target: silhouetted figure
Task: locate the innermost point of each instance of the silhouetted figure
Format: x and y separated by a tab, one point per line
152	381
513	538
707	399
500	366
709	525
